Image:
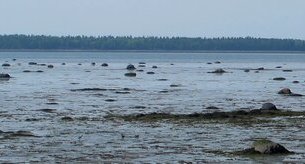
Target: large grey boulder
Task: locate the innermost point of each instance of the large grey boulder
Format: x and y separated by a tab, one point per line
268	106
265	146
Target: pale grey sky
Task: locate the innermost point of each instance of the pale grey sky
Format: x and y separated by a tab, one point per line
190	18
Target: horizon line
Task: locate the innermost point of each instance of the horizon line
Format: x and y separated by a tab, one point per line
154	36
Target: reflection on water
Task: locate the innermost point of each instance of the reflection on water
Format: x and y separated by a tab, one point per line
84	94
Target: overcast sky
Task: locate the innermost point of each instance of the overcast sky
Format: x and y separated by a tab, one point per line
190	18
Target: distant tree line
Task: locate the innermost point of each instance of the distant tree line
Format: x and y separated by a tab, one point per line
41	42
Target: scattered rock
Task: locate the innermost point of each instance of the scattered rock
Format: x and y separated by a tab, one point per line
27	71
63	63
52	103
287	70
141	65
247	70
279	78
22	133
285	91
162	79
6	65
154	67
130	67
212	107
278	67
218	71
140	70
50	66
79	64
174	85
268	106
260	68
209	63
14	59
88	89
295	82
110	100
130	74
67	118
264	146
256	72
4	76
93	63
104	65
122	92
150	73
217	62
41	64
139	107
32	63
39	71
47	110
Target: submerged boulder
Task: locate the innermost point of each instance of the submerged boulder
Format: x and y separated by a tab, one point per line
268	106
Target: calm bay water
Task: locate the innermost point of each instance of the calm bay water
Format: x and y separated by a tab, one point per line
91	137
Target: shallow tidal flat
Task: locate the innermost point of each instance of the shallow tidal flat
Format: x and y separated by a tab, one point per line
75	108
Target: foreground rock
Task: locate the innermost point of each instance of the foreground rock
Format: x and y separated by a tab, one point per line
265	147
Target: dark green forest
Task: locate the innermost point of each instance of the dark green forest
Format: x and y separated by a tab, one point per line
41	42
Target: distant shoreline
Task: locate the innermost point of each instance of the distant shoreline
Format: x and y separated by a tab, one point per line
146	51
